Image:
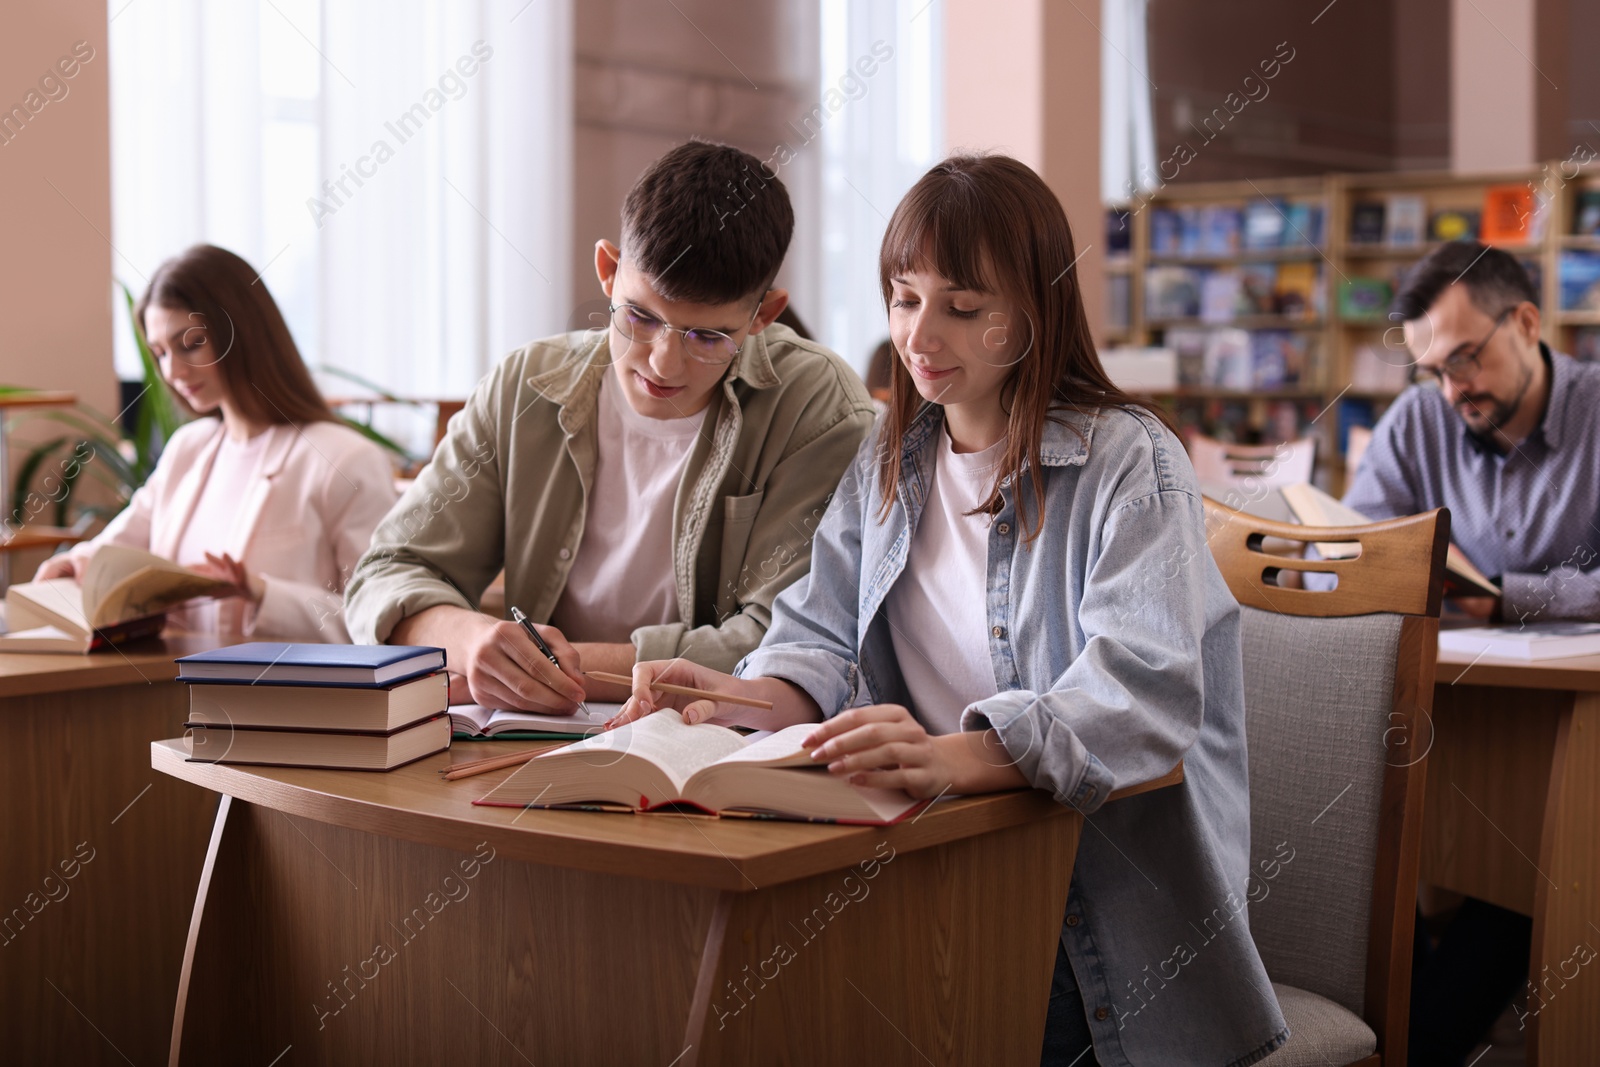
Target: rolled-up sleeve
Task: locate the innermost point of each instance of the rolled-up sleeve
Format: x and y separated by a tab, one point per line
1131	702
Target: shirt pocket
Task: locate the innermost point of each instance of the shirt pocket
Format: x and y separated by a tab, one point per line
734	580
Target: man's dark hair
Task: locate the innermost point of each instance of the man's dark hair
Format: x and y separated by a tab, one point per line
1494	280
707	224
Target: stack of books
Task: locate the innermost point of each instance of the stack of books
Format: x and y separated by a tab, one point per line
352	707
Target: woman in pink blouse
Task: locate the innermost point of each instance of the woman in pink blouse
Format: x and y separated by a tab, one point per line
266	488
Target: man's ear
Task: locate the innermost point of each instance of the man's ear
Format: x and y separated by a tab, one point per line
772	306
1527	319
606	258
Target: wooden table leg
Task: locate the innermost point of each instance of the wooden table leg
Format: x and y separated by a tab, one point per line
1512	815
1564	1001
353	947
101	859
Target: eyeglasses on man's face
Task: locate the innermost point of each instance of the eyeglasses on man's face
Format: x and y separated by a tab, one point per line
699	344
1460	367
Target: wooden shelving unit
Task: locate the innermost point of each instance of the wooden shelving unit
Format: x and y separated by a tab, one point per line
1326	383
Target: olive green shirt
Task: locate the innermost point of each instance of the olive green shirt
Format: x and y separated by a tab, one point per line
508	485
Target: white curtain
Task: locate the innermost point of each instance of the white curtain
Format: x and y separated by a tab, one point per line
884	135
398	170
1127	124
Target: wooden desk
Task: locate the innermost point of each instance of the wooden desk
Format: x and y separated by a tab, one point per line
88	963
1512	816
336	916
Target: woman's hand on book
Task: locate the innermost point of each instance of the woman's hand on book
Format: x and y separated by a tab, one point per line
225	568
676	672
883	745
63	566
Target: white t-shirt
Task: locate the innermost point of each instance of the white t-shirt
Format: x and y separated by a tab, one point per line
622	576
213	525
937	608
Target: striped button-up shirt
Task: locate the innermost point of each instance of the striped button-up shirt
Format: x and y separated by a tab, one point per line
1530	516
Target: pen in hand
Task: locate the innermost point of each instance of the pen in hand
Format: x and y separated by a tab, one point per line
521	619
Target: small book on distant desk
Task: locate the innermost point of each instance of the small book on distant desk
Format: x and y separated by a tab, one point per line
474	722
659	762
1313	507
275	663
124	595
1529	641
380	750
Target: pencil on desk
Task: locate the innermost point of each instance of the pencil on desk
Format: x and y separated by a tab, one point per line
684	690
490	763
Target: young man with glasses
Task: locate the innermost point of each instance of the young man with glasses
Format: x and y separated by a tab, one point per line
648	487
1506	434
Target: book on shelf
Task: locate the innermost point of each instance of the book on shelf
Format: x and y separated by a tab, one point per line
1453	224
1379	369
1313	507
1507	214
279	663
1586	344
345	750
1586	212
1220	294
1578	274
1171	292
1302	224
1257	289
1263	224
1354	411
1166	232
1405	221
478	723
1296	290
1119	231
1230	360
659	762
315	708
1119	301
1363	299
1221	227
1367	220
1278	358
1188	343
1191	233
1528	641
124	595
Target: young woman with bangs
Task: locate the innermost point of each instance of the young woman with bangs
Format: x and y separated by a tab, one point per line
1009	472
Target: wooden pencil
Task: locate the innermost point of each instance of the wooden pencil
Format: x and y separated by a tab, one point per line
684	690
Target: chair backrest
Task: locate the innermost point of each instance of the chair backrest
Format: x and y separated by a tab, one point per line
1355	447
1338	693
1269	465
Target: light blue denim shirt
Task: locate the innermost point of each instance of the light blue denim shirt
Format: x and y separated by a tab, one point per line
1115	643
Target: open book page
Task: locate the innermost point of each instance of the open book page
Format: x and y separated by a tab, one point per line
61	597
129	583
475	718
780	749
662	739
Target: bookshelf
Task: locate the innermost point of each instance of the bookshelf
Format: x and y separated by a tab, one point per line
1306	347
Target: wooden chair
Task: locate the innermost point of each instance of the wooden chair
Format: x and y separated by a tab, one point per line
1338	693
1266	465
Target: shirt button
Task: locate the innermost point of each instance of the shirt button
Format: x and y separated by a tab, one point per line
999	631
1004	528
565	553
1510	534
1102	1014
1073	920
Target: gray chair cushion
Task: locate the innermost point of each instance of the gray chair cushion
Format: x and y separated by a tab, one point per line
1320	1032
1318	693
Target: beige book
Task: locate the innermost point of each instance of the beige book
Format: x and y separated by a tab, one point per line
124	594
659	761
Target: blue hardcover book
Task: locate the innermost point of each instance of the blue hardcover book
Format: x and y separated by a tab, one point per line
276	663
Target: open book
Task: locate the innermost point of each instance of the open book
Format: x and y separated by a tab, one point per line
1313	507
659	761
125	594
481	724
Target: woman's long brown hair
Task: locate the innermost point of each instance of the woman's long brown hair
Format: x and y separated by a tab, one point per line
990	224
265	378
